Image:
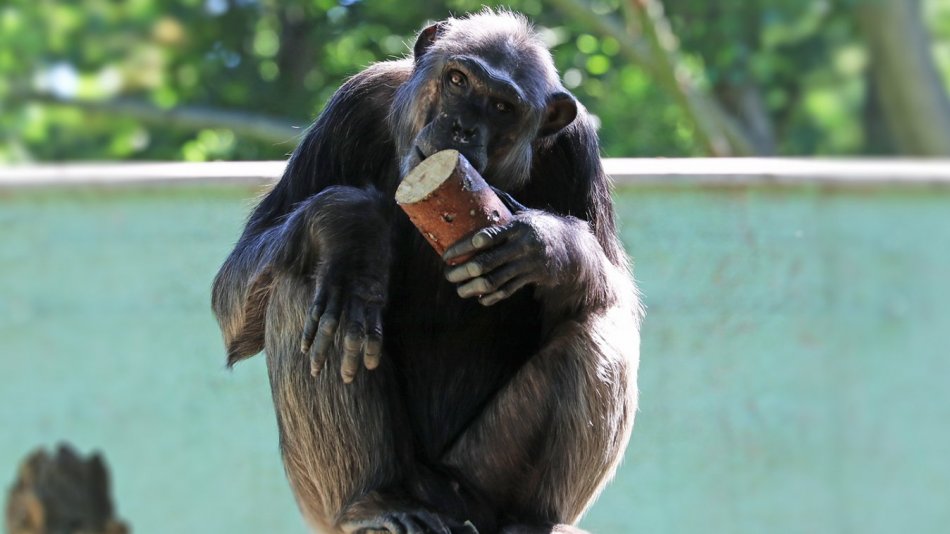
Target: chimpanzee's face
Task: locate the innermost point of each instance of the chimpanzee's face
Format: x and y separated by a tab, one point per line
486	98
480	111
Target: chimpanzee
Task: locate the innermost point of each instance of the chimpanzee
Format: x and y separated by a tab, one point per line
497	395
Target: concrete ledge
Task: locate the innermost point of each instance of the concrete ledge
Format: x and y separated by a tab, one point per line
250	172
708	172
727	172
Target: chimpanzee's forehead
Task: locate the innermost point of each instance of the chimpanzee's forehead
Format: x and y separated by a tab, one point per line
523	61
496	78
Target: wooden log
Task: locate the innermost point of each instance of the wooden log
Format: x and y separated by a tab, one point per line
446	198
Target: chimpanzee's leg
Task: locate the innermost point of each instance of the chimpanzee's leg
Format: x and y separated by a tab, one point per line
344	444
553	437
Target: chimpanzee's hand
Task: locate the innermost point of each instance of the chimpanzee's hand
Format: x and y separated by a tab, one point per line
531	249
354	302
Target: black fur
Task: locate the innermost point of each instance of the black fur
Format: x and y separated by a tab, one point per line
511	415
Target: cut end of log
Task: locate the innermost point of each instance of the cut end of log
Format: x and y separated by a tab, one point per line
446	198
427	176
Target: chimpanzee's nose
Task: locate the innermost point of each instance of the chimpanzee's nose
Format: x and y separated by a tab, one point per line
467	132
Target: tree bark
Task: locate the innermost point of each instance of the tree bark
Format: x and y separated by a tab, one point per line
446	199
913	97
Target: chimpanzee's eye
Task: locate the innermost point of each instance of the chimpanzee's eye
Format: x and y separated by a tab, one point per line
457	78
502	107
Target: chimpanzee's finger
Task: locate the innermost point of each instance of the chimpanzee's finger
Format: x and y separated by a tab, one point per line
504	291
395	525
433	523
326	330
373	344
509	201
409	525
482	239
484	262
321	295
352	340
492	281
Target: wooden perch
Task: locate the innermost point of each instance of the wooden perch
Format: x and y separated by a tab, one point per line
447	199
62	494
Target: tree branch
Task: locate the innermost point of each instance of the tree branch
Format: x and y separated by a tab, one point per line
631	49
249	125
715	128
657	54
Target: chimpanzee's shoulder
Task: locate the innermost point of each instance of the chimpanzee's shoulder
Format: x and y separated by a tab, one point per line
381	76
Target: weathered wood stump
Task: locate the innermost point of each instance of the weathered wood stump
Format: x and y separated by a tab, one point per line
446	198
62	493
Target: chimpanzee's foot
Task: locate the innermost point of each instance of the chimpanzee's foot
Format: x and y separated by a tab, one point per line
377	514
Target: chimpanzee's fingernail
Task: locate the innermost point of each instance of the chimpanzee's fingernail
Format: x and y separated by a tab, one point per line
481	240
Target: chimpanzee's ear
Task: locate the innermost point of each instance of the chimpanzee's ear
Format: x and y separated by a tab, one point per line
427	37
560	111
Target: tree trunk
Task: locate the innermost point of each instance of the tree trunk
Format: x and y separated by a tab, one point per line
913	97
878	140
745	102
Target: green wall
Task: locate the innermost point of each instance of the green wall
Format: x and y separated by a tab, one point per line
794	376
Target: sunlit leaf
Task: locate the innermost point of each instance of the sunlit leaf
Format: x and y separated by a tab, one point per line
598	64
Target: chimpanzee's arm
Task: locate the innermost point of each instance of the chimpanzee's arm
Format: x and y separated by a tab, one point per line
558	254
340	235
328	200
567	250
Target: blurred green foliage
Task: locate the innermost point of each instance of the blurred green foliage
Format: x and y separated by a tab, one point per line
284	59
